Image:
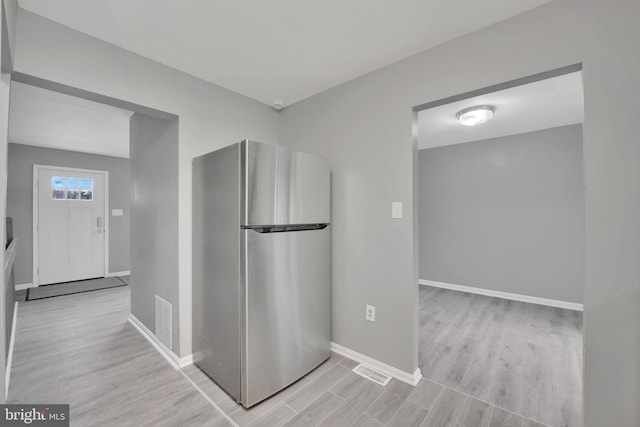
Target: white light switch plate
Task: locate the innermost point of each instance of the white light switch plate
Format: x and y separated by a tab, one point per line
396	210
116	212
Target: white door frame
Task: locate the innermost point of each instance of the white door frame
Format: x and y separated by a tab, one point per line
36	174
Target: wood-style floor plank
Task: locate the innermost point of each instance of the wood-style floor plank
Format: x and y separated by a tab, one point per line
350	384
409	415
79	349
525	358
531	423
502	418
354	405
386	406
311	391
278	416
316	412
475	414
446	410
425	394
366	421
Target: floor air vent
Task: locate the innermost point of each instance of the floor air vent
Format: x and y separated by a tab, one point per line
163	321
372	375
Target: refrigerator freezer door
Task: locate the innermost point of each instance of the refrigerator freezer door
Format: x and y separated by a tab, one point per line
283	186
287	293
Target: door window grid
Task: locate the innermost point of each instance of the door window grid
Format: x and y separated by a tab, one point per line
68	188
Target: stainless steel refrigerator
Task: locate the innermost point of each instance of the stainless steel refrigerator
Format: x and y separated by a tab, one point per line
261	267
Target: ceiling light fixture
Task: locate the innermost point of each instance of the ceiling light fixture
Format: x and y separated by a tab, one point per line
475	115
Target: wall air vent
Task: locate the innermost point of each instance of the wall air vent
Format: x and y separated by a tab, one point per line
163	321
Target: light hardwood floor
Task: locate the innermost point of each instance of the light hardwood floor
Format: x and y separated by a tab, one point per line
525	358
79	349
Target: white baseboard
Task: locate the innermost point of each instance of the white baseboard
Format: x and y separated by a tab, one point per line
12	340
505	295
405	377
24	286
118	273
186	361
175	361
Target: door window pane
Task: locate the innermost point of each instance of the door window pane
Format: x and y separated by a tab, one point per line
86	184
66	188
58	182
86	189
73	183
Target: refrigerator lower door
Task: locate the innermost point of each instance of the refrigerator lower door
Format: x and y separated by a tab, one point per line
286	319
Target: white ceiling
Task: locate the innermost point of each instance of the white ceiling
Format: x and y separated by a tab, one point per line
540	105
277	49
50	119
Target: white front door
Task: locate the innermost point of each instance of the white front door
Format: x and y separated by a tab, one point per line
70	225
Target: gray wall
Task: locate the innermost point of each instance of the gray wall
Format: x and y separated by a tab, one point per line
20	200
365	128
154	219
210	117
506	214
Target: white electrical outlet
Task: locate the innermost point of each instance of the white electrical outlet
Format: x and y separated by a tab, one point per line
370	313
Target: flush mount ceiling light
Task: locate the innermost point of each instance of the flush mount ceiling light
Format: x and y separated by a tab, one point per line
475	115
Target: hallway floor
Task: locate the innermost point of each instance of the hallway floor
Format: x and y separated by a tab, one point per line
526	358
79	349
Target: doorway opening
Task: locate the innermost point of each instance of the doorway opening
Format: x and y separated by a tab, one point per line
71	207
68	164
501	250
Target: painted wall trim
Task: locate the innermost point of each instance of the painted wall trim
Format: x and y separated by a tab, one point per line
118	273
12	340
175	361
186	360
505	295
23	286
405	377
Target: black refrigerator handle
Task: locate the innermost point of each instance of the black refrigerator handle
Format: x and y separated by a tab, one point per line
283	228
